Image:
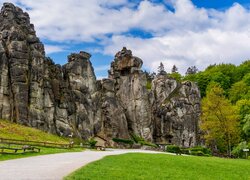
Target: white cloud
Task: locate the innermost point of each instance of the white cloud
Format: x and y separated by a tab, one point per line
195	37
186	36
194	48
49	49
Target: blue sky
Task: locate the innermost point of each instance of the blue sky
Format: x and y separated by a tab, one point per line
180	32
219	4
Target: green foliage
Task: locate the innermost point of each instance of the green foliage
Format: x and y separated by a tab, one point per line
246	79
238	91
145	143
197	151
224	74
163	166
125	141
219	120
173	149
246	125
243	107
221	79
242	70
238	150
202	79
177	76
92	142
136	138
140	140
235	83
200	151
185	151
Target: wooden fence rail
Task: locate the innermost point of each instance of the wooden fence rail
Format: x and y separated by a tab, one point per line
35	143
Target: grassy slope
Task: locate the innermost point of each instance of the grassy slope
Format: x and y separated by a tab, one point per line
14	131
161	166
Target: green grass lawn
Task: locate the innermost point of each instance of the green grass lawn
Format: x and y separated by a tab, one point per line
160	166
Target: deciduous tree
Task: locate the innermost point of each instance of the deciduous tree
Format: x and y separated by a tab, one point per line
219	120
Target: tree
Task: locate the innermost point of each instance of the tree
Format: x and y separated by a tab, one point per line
246	79
174	69
222	79
219	120
246	125
238	91
243	107
161	69
242	70
192	70
177	76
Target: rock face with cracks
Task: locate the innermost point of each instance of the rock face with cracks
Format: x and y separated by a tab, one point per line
68	99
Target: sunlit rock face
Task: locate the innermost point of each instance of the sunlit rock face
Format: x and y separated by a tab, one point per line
68	99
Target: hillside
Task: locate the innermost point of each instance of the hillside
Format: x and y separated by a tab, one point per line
10	130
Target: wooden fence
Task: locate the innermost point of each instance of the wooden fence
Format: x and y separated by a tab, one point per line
35	143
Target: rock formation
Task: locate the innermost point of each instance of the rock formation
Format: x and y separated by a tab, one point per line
130	87
176	111
64	99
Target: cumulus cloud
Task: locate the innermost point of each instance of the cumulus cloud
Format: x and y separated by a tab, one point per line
49	49
195	36
193	48
184	36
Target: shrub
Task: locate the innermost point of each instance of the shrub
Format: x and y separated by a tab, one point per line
92	142
202	149
173	149
185	151
140	140
125	141
198	153
137	138
238	150
145	143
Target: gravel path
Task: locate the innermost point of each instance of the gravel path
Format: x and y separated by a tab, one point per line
54	166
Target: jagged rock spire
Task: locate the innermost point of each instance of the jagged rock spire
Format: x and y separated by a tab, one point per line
124	63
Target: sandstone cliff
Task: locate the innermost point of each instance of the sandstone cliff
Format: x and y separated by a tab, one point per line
64	99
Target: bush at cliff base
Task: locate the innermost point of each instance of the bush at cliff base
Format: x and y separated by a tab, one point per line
173	149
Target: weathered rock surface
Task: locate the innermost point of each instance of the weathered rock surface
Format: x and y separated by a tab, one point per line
130	87
176	111
64	99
